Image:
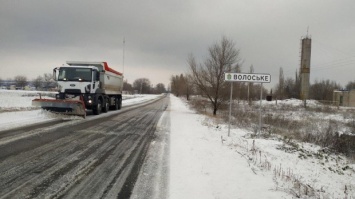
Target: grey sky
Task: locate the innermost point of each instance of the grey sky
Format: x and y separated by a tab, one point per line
37	35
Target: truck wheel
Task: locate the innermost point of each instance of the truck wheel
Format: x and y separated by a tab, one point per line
116	103
106	106
97	109
119	103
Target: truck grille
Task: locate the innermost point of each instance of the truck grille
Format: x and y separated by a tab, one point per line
72	91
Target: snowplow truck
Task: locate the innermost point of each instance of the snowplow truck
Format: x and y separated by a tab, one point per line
85	86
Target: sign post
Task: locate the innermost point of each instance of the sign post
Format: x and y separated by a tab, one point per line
246	77
230	109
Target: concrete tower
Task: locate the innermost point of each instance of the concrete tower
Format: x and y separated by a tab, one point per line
305	67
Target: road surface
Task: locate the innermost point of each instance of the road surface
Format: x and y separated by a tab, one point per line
96	158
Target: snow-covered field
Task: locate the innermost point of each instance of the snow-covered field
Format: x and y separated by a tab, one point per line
293	109
206	163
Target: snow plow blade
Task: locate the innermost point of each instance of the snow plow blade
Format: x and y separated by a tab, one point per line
67	107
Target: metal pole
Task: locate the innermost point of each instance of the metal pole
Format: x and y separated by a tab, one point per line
124	42
230	109
248	93
261	97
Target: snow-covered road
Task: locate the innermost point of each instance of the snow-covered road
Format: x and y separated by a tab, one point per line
16	108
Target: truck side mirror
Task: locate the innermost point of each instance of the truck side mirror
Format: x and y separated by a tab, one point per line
97	76
55	74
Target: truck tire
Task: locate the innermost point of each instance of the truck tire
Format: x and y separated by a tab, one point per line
97	109
106	106
119	103
116	106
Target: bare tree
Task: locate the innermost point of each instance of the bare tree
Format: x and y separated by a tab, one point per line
280	87
182	85
297	87
238	86
48	81
174	84
127	86
290	88
323	90
189	87
38	83
160	88
142	85
177	84
20	81
350	85
250	86
209	76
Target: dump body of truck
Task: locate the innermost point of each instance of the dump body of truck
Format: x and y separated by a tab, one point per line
85	85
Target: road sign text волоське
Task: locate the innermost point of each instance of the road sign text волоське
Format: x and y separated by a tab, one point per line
248	77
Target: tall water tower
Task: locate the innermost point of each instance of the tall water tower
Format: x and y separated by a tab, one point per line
305	67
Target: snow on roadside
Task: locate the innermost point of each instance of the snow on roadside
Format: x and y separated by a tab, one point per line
136	99
247	167
21	118
202	167
12	100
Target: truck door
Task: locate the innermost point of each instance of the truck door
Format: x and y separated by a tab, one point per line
96	80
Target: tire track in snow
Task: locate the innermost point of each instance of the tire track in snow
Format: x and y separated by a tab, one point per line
97	159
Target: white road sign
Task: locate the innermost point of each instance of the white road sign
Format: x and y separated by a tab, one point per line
247	77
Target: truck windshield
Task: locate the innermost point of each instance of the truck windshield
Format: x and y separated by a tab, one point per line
74	74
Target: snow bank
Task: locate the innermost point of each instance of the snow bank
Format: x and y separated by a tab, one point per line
206	163
202	167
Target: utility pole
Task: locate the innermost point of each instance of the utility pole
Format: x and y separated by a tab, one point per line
124	42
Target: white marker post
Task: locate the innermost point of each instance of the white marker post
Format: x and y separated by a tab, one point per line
246	77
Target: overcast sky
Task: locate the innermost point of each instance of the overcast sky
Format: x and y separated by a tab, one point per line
37	35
